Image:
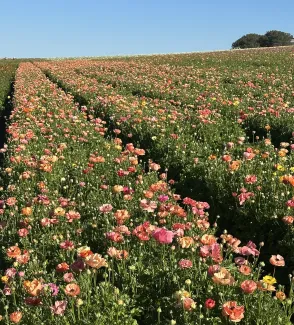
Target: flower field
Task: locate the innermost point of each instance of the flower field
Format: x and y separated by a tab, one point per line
150	190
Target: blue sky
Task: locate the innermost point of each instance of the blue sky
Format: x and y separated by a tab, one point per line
59	28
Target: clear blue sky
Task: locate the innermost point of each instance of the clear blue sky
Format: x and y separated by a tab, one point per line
58	28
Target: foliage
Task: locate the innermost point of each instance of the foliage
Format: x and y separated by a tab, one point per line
269	39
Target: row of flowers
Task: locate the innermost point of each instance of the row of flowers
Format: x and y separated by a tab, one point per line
89	236
208	149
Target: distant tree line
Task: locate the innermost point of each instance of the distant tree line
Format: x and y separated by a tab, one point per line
269	39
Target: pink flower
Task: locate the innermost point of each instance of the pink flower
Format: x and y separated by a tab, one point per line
68	277
240	260
105	208
7	290
115	237
67	245
250	179
23	232
248	286
213	269
163	198
11	272
59	307
185	264
163	236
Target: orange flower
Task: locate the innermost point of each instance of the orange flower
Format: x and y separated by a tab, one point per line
96	261
84	251
281	295
13	251
234	165
277	260
33	287
245	269
208	239
121	216
233	311
185	242
27	211
72	290
15	317
223	277
62	267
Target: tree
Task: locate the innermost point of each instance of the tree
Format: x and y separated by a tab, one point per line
247	41
276	38
269	39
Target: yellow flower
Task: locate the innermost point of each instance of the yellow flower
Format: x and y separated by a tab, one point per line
292	169
236	103
269	279
4	279
280	167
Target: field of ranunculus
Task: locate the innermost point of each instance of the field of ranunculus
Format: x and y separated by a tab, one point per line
149	190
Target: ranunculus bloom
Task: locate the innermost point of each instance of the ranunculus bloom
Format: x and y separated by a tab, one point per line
223	277
234	312
163	236
33	287
185	242
280	295
15	317
72	289
23	232
13	251
68	277
213	269
188	304
277	260
62	267
59	307
185	264
240	260
245	269
96	261
209	303
248	286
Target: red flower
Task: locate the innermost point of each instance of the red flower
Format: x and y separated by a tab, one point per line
209	303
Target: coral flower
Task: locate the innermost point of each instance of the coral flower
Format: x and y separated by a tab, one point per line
277	260
233	311
72	290
13	251
62	267
248	286
15	317
188	304
245	269
96	261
